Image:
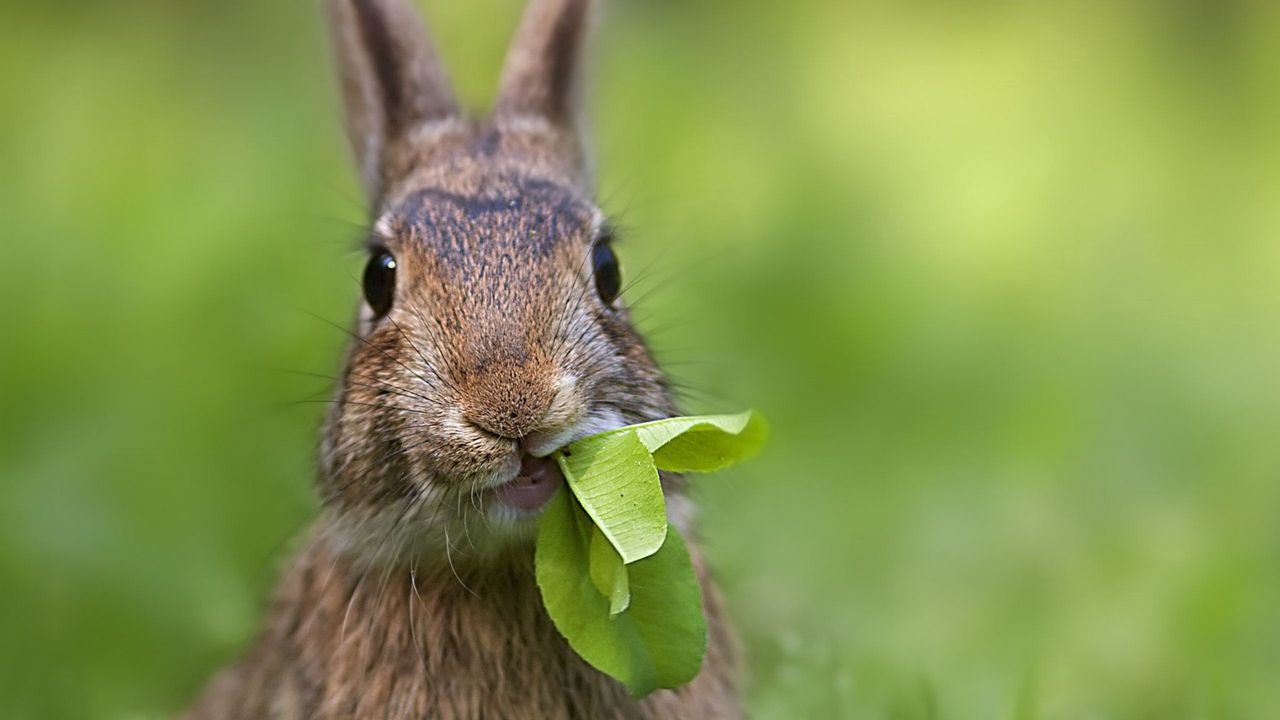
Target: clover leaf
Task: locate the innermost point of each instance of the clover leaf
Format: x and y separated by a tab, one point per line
614	478
615	576
658	640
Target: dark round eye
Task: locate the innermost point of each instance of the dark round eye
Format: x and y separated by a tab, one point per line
604	265
380	282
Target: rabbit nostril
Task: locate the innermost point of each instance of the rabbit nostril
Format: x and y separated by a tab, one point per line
486	430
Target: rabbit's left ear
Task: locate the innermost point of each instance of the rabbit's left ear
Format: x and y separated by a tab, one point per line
542	75
392	83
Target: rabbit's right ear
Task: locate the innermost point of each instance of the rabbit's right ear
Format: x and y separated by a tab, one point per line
392	83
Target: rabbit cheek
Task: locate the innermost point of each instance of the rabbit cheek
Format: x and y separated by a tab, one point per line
362	464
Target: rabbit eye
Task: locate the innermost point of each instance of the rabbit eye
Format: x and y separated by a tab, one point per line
380	282
607	273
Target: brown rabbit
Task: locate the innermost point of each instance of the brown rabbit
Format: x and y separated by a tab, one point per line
491	334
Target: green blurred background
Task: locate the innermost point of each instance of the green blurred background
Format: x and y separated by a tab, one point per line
1003	275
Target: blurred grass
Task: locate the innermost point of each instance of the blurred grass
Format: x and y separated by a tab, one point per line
1002	274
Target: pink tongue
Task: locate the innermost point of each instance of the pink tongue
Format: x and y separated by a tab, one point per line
538	480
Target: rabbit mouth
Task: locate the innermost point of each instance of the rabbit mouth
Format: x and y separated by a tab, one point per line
533	486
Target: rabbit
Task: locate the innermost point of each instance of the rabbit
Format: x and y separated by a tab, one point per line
490	334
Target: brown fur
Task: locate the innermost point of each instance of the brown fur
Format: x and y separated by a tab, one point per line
414	593
420	642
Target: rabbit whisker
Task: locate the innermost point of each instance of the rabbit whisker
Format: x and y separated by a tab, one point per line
448	554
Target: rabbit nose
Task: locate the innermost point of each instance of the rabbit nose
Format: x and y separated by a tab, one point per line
508	399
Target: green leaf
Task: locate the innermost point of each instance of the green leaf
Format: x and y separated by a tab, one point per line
615	480
704	443
658	641
615	577
608	572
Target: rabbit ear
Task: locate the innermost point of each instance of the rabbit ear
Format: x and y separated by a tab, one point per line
541	77
392	83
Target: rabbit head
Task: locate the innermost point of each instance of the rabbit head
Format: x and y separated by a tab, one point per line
490	332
